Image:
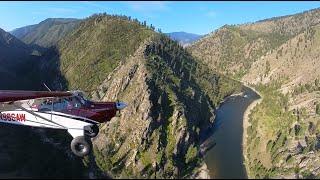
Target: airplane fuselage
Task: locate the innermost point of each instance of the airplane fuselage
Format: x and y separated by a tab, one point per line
58	110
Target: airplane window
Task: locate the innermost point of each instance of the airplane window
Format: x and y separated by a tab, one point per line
45	104
82	100
83	95
60	104
74	102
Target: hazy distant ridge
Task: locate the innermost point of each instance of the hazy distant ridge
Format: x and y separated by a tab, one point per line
184	38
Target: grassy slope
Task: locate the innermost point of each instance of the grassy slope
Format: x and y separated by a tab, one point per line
231	50
268	132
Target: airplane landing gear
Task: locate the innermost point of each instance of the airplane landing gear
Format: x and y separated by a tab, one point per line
91	131
80	146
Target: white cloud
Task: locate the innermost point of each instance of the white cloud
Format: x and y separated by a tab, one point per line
211	14
147	7
207	11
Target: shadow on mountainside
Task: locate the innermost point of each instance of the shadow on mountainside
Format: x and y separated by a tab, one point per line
28	152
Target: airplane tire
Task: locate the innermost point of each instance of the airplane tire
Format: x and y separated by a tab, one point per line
92	131
80	146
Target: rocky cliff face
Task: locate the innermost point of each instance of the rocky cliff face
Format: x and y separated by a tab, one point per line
156	135
122	137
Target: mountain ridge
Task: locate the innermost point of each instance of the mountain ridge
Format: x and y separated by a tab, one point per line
46	33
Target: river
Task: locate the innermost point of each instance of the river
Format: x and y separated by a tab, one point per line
225	159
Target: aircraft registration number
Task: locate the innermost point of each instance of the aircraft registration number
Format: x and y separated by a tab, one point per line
12	117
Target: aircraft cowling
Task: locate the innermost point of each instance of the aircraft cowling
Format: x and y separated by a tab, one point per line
101	111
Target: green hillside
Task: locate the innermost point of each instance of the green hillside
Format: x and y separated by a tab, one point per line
94	49
236	50
47	33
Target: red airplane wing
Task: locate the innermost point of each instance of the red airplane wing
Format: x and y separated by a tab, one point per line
8	96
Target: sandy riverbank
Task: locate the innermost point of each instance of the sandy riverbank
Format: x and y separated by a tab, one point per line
246	124
202	173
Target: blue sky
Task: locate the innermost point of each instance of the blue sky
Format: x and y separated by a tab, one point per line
171	16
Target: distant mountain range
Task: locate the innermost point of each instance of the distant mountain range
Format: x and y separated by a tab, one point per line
51	30
184	38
